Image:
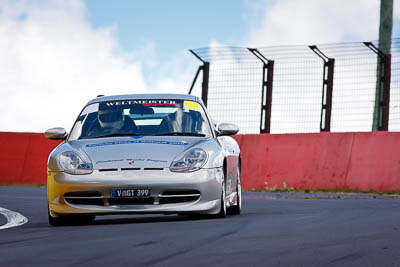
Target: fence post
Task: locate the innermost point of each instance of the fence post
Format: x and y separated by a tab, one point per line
206	75
195	79
204	85
381	110
266	93
327	89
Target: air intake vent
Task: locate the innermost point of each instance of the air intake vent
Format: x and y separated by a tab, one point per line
179	196
84	198
130	169
85	201
178	199
180	192
108	170
83	194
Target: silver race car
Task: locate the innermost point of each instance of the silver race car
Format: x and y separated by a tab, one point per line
143	154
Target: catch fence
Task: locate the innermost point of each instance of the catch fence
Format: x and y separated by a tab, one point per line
346	87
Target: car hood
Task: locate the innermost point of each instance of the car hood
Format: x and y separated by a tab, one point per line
135	151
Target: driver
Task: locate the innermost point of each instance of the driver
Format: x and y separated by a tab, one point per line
110	121
111	118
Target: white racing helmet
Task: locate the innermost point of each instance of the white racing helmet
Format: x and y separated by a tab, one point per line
111	118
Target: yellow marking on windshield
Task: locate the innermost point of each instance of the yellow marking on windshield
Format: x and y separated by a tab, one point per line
191	105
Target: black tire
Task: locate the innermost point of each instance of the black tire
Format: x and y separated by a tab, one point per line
83	219
56	221
70	220
238	208
222	212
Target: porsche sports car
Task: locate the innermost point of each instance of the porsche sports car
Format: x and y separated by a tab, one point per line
150	153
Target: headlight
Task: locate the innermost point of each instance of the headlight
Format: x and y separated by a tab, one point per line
72	163
193	160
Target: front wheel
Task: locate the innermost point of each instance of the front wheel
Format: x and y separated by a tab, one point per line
69	220
238	207
222	212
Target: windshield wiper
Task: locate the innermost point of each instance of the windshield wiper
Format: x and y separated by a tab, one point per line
181	134
115	135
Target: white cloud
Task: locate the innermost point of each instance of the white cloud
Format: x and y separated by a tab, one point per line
287	22
176	74
52	62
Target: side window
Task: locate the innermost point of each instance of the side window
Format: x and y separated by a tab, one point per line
90	122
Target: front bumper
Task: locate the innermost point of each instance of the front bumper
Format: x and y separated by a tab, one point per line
98	187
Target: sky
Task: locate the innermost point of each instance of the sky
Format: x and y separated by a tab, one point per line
56	55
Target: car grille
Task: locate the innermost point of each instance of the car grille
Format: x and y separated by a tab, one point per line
179	196
108	170
130	169
96	198
84	198
85	201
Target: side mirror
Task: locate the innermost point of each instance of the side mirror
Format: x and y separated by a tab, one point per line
58	133
228	129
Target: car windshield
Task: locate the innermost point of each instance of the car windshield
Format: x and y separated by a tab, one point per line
141	117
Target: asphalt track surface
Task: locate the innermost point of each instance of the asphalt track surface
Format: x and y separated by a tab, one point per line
273	230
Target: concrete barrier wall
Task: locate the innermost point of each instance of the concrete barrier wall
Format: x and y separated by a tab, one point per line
363	161
23	157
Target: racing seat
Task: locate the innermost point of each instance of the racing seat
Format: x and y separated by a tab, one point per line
129	126
179	121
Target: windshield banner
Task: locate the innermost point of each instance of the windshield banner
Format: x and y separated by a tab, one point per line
144	102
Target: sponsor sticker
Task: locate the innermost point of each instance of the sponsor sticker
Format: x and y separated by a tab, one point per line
155	142
148	160
144	102
108	161
131	160
157	160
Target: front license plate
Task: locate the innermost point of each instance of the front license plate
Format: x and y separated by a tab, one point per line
131	192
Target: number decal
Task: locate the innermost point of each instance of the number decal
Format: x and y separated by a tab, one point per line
191	105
